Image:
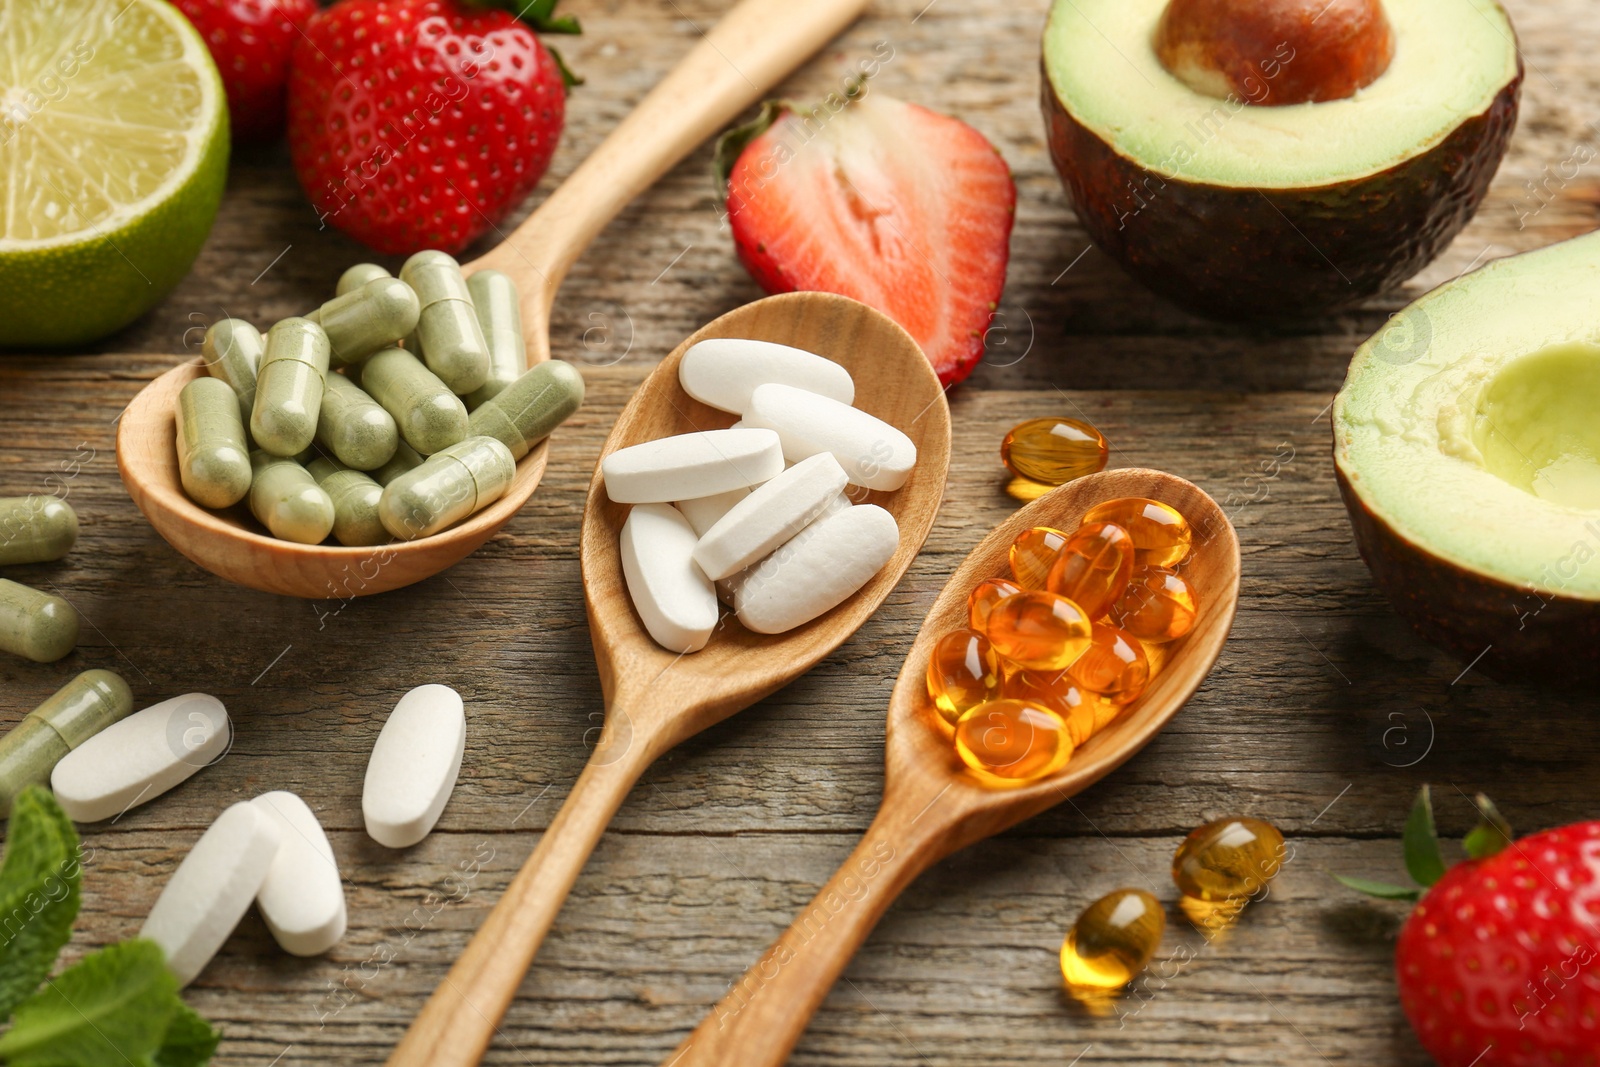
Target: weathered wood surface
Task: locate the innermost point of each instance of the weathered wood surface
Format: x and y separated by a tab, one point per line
1323	715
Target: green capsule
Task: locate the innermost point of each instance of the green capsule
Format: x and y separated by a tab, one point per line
405	459
525	412
232	352
289	387
213	457
448	331
35	529
359	275
288	501
36	625
76	712
494	299
355	503
354	427
366	319
447	488
430	416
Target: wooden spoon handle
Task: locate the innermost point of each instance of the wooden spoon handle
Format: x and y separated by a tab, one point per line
761	1018
754	47
455	1026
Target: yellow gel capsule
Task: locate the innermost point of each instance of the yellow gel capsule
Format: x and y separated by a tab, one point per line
1057	693
1157	606
1009	742
1039	631
1033	553
1114	665
1053	451
963	672
1092	568
1161	536
1230	860
984	596
1113	940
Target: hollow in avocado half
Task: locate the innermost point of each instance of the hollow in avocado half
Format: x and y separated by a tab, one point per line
1467	446
1275	159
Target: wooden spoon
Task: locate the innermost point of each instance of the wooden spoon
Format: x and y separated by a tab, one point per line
754	47
655	698
932	805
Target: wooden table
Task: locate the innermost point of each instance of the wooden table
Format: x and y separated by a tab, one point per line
1323	715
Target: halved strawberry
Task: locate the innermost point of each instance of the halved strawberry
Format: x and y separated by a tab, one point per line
902	208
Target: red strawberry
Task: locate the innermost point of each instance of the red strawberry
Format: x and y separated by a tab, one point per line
900	207
421	123
1499	964
250	41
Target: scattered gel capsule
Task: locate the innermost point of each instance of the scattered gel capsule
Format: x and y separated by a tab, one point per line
232	351
289	387
1229	860
1093	567
431	418
1010	742
448	487
405	459
73	714
288	501
36	529
1114	665
1113	940
1053	451
494	300
526	411
34	624
1033	553
213	456
1039	631
367	318
984	596
355	499
1079	709
1158	605
963	672
1161	536
452	341
357	429
355	277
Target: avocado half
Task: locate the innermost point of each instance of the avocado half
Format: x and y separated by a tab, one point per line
1467	446
1251	212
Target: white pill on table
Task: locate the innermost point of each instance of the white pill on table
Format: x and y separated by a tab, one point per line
212	888
302	898
771	515
135	760
819	569
872	453
691	465
414	765
724	371
704	511
675	600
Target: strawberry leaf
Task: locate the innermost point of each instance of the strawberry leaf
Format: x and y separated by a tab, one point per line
733	142
38	893
1381	890
1424	861
1491	835
539	14
569	78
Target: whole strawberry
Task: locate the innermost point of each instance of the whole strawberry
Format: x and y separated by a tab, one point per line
1499	964
250	41
422	123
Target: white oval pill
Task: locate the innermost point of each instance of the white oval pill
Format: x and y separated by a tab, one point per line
818	570
414	765
212	888
873	453
674	599
691	465
704	511
137	759
724	371
302	898
770	516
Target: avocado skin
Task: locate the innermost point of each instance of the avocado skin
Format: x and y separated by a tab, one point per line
1530	637
1247	255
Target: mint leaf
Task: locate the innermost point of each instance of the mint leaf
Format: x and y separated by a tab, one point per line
38	893
1424	861
189	1040
111	1007
1381	890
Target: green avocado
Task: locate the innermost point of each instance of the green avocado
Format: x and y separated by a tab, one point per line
1467	449
1239	210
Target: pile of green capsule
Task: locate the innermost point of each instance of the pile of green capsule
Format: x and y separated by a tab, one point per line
395	410
34	624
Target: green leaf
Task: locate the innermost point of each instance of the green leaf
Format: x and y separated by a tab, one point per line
733	142
568	77
1491	835
1424	861
38	893
189	1041
540	14
1381	890
111	1007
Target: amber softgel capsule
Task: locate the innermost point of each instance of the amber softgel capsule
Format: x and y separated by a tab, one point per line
1113	940
1053	451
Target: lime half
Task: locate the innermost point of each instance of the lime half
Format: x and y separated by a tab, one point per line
113	156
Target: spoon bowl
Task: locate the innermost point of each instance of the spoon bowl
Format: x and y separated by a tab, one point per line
932	804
